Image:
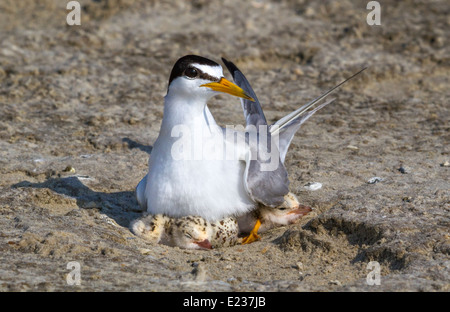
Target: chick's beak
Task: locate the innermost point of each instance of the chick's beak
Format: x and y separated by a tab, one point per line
300	210
227	86
205	244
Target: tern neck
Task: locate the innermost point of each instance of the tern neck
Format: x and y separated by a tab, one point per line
190	112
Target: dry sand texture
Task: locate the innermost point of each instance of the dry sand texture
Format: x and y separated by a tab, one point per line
80	107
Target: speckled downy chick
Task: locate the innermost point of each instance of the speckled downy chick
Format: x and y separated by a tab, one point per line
190	232
287	213
150	227
225	232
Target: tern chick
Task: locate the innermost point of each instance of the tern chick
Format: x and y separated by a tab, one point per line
190	232
267	218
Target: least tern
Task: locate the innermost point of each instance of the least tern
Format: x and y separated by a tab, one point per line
210	188
217	188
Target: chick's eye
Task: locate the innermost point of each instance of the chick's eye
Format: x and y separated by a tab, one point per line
190	72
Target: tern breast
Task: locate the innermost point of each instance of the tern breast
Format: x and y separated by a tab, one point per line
193	182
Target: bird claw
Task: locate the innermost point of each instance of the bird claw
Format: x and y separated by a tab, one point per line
253	236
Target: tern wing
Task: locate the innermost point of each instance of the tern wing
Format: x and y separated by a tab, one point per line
265	177
269	186
286	129
253	112
287	126
140	193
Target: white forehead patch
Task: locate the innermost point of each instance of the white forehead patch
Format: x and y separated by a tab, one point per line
215	71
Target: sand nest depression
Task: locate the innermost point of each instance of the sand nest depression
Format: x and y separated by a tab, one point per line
80	107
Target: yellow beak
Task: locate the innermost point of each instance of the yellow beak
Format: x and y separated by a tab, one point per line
227	86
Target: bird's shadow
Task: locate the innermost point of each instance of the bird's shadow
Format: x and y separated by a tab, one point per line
122	207
133	144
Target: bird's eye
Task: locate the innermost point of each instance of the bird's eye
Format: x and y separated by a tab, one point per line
191	72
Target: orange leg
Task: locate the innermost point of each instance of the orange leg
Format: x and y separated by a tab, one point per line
253	236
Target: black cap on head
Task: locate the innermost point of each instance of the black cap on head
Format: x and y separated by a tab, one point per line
183	63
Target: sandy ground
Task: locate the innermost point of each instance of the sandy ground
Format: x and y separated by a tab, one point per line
80	107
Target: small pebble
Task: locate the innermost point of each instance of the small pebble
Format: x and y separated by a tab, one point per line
375	180
404	170
69	169
335	282
407	199
108	219
199	273
144	251
446	164
313	186
298	72
352	147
